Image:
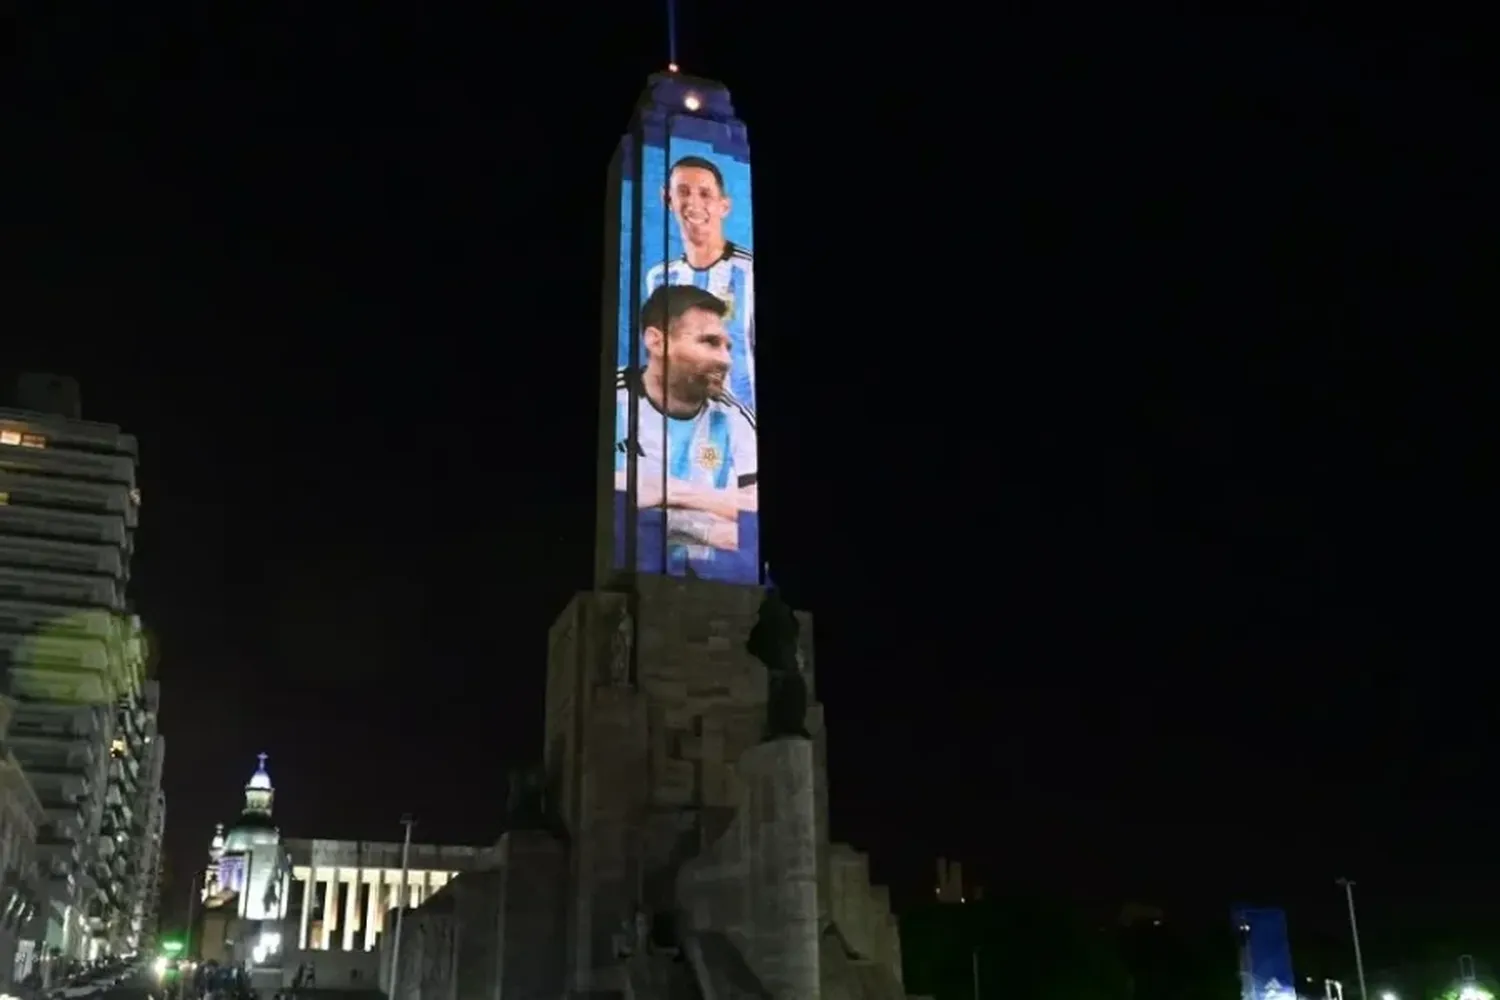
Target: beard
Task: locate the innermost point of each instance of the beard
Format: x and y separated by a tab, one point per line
701	386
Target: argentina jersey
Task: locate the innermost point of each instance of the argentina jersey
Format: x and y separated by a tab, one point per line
732	279
710	455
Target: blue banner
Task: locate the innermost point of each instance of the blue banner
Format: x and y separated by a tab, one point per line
1265	954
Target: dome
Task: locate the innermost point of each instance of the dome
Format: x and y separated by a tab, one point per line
259	798
249	831
260	780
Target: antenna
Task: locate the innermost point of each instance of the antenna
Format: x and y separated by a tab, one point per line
672	35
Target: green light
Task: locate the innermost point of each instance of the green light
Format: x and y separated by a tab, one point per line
171	947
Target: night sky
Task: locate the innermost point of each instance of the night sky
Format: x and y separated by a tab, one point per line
1118	422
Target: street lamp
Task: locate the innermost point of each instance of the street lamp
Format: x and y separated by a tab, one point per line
407	822
1359	961
187	937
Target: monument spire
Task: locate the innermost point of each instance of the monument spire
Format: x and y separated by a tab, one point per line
672	35
679	490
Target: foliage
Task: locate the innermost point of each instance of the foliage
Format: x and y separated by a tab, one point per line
1029	947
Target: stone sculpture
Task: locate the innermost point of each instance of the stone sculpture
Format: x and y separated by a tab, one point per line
619	652
526	805
773	641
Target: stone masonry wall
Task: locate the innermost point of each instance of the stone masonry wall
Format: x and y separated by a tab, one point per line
646	766
756	885
429	951
862	911
477	919
532	916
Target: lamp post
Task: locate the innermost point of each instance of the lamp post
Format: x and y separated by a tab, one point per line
391	988
1359	961
187	937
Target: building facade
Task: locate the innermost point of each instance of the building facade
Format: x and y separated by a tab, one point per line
73	662
315	904
247	870
151	805
343	891
20	883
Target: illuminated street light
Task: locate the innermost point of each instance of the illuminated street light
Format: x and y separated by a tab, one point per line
1388	995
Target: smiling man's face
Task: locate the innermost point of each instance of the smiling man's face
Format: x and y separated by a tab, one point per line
699	204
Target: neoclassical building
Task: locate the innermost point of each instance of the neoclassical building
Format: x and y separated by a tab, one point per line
342	890
247	867
276	899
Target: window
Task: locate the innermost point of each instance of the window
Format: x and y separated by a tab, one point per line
4	498
33	441
10	437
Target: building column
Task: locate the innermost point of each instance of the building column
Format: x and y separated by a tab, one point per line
330	905
371	908
307	905
351	911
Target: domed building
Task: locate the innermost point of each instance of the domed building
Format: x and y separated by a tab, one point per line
211	873
247	867
278	905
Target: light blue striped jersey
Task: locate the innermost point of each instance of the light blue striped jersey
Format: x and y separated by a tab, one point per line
716	450
732	279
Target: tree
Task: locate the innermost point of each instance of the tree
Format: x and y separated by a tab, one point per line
1027	946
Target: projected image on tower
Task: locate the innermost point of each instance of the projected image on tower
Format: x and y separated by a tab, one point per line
685	388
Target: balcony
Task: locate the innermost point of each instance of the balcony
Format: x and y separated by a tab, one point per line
130	721
17	518
56	686
67	557
31	583
64	784
124	781
64	463
28	618
83	435
27	736
70	494
62	652
64	819
65	670
53	760
53	798
57	857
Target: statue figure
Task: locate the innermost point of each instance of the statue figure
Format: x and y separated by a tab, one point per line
634	935
642	931
773	641
619	651
526	805
624	948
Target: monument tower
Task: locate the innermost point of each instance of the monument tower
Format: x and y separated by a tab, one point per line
685	749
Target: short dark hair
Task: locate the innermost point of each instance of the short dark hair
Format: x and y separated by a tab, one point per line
697	163
667	304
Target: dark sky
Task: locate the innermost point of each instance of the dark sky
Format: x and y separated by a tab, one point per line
1117	423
